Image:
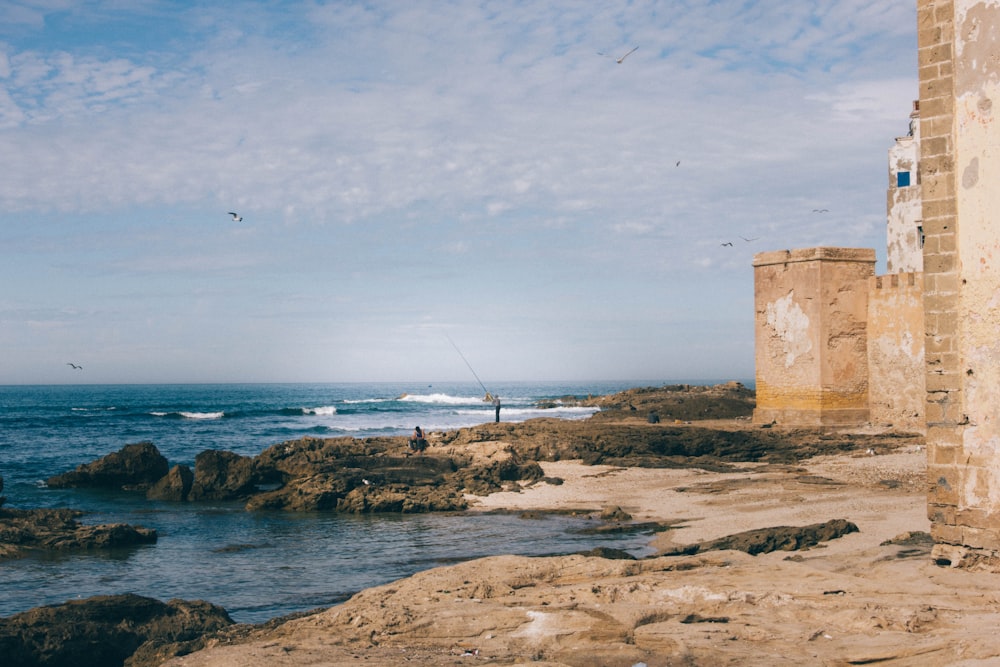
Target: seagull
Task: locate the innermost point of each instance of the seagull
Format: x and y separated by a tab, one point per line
617	60
236	217
75	367
749	240
678	163
728	243
821	210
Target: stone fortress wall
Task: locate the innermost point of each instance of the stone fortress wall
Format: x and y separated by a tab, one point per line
917	349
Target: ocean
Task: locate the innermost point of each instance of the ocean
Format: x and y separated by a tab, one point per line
257	565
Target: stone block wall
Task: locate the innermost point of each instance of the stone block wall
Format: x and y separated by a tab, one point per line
958	43
896	366
811	340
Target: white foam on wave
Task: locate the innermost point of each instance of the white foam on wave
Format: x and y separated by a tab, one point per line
443	399
322	411
562	412
191	415
203	415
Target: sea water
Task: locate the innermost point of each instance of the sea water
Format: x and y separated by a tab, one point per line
258	565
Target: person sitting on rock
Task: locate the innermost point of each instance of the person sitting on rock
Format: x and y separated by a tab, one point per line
417	441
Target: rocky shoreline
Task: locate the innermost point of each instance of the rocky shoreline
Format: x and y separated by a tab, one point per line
697	433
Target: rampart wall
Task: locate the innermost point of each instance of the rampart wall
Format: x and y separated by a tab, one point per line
896	366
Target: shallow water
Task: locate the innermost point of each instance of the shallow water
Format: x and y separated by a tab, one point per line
258	565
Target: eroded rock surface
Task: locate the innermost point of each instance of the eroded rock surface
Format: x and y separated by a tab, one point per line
105	631
26	531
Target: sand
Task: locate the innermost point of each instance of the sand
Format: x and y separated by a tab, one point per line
870	597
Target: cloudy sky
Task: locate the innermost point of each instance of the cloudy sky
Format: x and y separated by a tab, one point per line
410	172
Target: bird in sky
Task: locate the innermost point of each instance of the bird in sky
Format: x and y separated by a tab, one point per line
617	60
821	210
678	163
749	240
728	243
236	217
75	367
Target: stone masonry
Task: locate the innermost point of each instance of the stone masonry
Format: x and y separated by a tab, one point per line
959	169
811	335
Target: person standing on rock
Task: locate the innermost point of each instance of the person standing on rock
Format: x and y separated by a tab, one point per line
496	405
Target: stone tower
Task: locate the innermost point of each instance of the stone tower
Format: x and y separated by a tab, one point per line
958	42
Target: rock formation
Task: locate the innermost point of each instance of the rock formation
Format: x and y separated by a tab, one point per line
105	631
25	531
135	466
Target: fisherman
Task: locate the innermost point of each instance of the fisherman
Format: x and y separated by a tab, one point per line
496	405
417	441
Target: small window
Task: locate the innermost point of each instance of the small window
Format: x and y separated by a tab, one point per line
902	179
920	235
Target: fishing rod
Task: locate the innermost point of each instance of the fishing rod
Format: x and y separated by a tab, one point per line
468	364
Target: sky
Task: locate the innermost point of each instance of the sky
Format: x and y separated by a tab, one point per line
422	178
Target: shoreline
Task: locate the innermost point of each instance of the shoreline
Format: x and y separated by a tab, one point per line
870	596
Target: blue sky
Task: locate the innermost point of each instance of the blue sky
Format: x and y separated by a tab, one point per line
413	171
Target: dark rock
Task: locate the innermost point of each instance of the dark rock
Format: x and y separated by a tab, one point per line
104	631
782	538
135	466
349	475
402	499
679	402
608	553
175	485
497	476
23	531
222	475
615	514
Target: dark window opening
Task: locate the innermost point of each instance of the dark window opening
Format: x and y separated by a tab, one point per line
902	179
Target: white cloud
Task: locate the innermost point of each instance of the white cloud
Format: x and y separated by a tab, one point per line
493	134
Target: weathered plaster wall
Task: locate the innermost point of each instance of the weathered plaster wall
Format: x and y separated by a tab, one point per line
896	366
959	46
811	343
903	206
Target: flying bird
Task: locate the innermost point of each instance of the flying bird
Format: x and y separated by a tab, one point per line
749	240
236	217
728	243
678	163
821	210
75	367
617	60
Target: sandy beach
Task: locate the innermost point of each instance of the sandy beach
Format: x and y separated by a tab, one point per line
870	597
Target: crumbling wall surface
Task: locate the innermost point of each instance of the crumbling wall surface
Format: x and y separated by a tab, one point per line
811	357
960	76
904	253
896	366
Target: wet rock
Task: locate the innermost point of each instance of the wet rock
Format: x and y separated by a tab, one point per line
500	475
222	475
25	531
402	499
369	484
134	466
615	514
175	485
104	631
